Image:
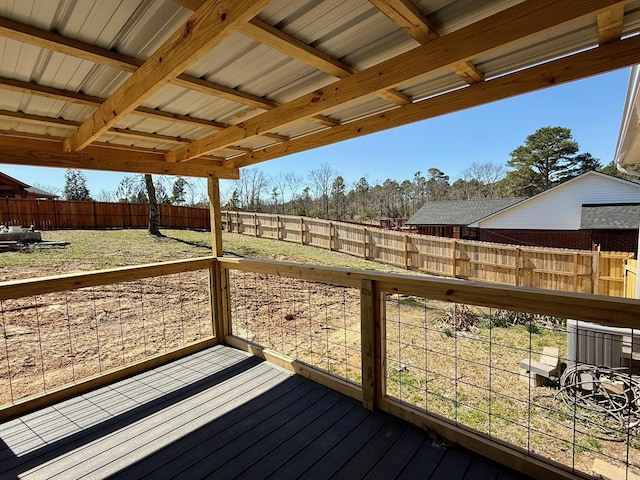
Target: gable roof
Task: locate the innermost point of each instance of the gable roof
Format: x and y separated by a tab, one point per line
610	217
40	193
6	179
459	212
564	185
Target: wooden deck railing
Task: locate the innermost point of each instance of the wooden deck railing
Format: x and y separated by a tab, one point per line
444	354
66	334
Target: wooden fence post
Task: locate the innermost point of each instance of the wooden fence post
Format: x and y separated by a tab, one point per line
455	259
331	242
301	230
55	215
372	340
595	269
518	261
364	242
407	255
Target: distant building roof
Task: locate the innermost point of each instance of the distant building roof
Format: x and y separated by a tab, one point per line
459	212
36	192
40	193
611	217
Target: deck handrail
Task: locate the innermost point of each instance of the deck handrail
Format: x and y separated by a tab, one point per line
610	311
72	281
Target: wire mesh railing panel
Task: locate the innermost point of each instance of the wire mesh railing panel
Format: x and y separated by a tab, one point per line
315	323
59	338
560	389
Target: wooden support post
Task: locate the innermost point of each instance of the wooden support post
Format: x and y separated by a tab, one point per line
218	281
255	224
301	230
575	272
229	224
518	260
372	343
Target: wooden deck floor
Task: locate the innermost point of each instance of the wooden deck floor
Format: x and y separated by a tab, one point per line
224	414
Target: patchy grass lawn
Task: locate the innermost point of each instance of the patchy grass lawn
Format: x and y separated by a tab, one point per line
98	249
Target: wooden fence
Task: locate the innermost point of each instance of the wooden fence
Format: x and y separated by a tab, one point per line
558	269
57	214
582	271
630	277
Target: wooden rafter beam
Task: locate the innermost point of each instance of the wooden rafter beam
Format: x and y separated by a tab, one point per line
206	28
102	56
611	56
283	42
610	24
407	16
49	153
71	124
506	27
53	41
31	88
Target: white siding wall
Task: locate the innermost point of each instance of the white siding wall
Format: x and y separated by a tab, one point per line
560	207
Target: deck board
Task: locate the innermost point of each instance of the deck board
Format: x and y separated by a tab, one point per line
222	413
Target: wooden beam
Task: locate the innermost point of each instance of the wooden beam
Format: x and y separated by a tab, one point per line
75	48
283	42
43	153
407	16
270	36
32	88
63	123
610	24
605	58
206	28
508	26
28	287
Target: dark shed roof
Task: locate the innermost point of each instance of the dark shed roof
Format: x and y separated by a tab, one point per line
459	212
613	216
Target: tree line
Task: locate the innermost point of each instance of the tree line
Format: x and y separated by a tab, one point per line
548	157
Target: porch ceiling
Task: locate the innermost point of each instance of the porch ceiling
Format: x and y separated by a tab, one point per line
202	88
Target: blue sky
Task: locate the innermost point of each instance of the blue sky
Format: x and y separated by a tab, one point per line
591	108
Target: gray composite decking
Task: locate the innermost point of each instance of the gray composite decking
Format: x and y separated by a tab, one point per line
222	413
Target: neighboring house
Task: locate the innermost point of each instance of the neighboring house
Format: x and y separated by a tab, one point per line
592	209
453	218
12	188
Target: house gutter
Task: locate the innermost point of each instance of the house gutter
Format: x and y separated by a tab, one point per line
628	148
